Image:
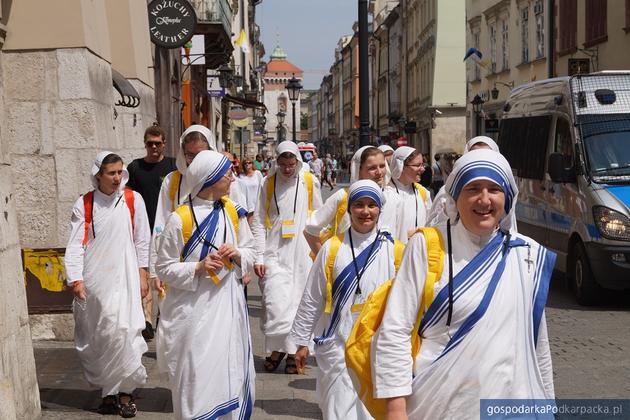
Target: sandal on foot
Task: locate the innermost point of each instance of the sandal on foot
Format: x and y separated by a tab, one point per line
290	368
108	406
127	406
271	362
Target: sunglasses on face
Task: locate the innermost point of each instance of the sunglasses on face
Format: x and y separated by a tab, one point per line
154	143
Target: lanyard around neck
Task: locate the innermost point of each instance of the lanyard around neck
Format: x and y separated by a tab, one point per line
275	199
205	241
415	196
367	260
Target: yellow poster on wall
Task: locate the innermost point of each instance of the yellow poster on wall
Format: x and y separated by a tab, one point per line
47	267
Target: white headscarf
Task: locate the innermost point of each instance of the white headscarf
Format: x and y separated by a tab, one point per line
206	169
365	188
180	160
355	166
288	146
385	148
481	139
398	160
96	166
482	164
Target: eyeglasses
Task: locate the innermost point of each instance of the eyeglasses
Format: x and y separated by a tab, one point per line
287	166
417	165
153	143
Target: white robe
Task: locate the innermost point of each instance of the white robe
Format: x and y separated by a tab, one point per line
203	339
324	217
337	396
287	261
415	209
251	186
497	358
109	322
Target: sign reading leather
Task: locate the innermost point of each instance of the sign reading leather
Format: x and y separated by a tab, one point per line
171	22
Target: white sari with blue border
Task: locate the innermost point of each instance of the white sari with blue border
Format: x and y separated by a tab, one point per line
496	345
203	339
375	259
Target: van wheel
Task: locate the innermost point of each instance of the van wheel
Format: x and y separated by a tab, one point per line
587	291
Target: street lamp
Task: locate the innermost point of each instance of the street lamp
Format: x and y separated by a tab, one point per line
477	103
280	117
225	75
294	88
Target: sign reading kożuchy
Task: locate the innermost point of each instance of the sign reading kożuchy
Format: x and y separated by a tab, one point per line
171	22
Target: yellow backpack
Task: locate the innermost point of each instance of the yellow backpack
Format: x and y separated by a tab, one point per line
358	346
332	230
308	180
176	181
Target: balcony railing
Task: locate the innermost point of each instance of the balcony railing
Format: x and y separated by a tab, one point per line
214	12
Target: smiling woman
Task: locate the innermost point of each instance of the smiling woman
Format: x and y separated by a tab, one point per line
483	332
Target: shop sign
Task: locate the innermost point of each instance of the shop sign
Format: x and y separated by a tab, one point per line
171	22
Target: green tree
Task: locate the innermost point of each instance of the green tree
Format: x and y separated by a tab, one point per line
304	121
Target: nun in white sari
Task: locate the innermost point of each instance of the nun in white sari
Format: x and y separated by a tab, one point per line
332	218
364	260
484	335
203	336
102	263
406	167
282	260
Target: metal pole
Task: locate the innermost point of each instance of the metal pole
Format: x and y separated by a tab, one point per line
293	103
364	85
241	129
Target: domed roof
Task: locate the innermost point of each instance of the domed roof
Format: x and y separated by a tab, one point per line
278	54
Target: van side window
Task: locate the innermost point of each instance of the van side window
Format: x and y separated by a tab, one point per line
563	143
523	142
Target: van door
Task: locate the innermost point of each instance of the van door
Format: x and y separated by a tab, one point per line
563	199
524	141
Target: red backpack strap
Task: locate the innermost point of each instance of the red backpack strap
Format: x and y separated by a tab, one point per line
88	203
129	199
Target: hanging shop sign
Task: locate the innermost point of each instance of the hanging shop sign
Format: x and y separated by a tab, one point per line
171	22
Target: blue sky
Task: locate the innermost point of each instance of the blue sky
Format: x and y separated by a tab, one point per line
308	31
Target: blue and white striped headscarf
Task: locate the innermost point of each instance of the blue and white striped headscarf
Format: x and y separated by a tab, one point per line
206	169
483	164
365	188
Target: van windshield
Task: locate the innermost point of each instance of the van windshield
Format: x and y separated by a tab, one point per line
607	144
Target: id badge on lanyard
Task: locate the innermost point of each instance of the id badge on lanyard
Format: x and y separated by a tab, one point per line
289	229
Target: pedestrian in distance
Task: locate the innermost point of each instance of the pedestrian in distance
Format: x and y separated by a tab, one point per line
203	334
328	171
406	167
483	331
145	176
287	196
250	179
335	168
106	263
317	166
346	271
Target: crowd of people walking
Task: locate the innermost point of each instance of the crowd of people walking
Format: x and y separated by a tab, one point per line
411	287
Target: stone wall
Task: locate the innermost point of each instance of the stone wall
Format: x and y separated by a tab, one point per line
60	112
19	394
450	131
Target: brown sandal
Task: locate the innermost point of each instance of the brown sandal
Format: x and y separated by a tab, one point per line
290	368
271	363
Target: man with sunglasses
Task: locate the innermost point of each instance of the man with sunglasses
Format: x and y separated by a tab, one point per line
145	177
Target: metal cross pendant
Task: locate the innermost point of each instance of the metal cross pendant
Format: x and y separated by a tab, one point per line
529	260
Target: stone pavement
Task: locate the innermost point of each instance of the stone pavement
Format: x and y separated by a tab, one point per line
65	394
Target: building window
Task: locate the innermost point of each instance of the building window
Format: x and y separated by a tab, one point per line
505	46
568	25
525	35
492	30
595	22
540	29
